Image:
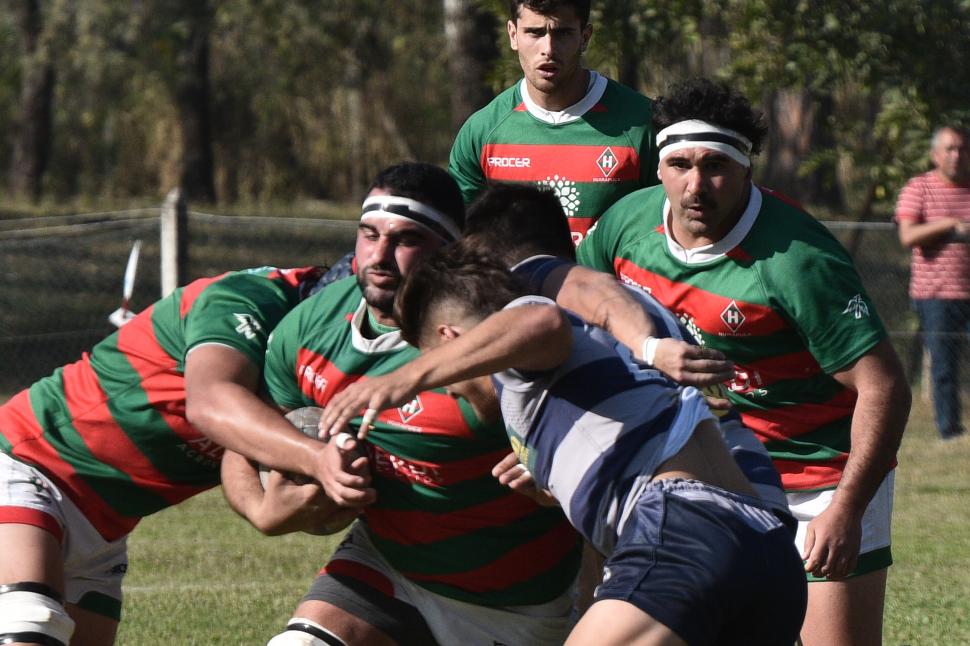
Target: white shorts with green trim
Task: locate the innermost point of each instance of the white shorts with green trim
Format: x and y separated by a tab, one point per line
93	567
875	552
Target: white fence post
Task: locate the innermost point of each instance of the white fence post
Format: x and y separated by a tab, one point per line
174	241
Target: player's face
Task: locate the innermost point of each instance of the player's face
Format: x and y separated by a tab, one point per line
387	248
951	156
549	48
708	192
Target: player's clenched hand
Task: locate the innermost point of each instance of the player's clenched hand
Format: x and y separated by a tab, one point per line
287	506
366	397
514	475
832	543
345	473
692	365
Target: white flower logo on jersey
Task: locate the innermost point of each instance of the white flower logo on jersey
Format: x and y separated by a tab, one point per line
248	326
857	307
410	410
566	191
695	331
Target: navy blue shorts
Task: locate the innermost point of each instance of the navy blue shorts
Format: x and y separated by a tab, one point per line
713	566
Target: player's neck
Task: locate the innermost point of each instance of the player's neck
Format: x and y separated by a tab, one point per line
560	98
376	324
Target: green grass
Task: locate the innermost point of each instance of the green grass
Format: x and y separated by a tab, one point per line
201	575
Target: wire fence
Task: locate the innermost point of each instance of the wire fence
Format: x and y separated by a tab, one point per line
62	276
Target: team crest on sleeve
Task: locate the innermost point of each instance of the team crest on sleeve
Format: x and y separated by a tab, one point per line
410	410
733	317
248	326
567	193
857	307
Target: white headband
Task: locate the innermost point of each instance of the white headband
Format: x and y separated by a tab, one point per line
407	209
693	133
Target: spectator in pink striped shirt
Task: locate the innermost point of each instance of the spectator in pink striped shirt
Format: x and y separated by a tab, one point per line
933	215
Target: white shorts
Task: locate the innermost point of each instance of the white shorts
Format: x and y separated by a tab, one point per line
93	567
449	620
875	552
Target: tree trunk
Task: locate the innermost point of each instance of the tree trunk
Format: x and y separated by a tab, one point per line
192	101
470	41
796	121
32	139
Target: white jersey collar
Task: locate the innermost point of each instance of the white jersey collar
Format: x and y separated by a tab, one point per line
722	246
594	92
388	342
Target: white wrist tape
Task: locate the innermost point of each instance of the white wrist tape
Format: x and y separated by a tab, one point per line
648	350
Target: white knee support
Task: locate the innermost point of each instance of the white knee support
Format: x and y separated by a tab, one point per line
303	632
32	612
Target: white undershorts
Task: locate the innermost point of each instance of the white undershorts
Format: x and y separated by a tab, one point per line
91	564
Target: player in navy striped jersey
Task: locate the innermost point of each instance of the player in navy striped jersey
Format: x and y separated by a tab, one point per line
539	251
636	462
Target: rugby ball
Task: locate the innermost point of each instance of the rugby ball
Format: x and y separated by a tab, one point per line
306	419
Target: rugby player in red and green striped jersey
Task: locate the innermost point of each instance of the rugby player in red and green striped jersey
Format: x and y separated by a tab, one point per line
587	137
443	552
90	450
816	377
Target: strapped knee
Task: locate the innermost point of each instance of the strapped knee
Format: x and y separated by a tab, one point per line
303	632
32	612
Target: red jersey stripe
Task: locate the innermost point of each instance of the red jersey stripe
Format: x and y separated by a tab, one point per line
707	307
537	162
191	292
797	476
29	445
420	527
108	442
519	564
361	572
791	421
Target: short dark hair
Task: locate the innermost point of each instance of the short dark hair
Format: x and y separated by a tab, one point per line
707	100
426	183
546	7
453	276
511	222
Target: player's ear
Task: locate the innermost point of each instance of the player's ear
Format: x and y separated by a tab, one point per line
587	34
447	332
510	26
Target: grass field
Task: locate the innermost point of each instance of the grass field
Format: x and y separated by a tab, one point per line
200	575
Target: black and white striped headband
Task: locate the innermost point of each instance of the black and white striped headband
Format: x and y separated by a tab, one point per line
693	133
405	208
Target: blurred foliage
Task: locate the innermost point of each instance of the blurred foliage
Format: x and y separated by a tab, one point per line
310	98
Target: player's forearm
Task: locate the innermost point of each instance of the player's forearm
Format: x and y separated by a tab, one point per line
600	300
240	484
239	420
530	337
878	422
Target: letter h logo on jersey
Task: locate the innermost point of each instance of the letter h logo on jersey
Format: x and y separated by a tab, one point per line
732	317
607	162
410	410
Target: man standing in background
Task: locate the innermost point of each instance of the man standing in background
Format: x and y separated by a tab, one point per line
933	214
562	126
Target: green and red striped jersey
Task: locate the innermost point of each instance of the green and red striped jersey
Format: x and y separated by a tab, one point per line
596	152
780	297
110	429
440	518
